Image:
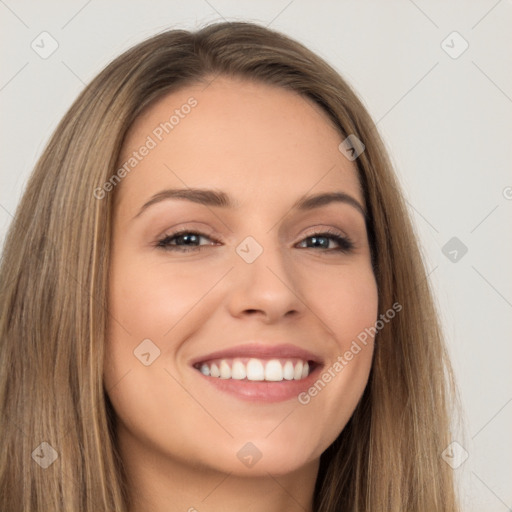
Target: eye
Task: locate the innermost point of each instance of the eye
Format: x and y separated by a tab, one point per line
184	241
187	241
323	241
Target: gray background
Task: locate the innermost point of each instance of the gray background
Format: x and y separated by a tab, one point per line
446	121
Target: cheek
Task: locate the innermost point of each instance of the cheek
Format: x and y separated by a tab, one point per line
348	305
145	303
345	300
159	302
153	307
149	300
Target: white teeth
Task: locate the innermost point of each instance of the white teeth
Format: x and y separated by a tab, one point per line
238	370
225	370
305	370
297	374
214	371
274	370
288	370
256	369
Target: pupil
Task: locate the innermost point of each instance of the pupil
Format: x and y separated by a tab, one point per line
316	239
188	238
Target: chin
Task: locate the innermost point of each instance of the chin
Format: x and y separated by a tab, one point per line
259	457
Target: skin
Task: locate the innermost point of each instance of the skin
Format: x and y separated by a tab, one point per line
179	435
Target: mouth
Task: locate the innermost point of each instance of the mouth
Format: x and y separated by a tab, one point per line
256	369
258	372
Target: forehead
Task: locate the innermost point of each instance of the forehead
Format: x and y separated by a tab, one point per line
253	140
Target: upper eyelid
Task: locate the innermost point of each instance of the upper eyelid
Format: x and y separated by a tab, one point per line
200	231
329	231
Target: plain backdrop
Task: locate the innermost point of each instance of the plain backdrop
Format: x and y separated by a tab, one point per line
444	110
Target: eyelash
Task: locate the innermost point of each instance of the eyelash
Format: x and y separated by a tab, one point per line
345	245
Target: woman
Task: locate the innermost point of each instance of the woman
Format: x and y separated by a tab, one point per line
214	299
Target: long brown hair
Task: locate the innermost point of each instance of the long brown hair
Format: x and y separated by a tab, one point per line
54	311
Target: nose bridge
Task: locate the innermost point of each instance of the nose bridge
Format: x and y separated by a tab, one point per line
264	279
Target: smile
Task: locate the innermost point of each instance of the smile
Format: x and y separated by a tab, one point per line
256	369
259	372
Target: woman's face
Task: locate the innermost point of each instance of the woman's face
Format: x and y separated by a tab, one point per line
260	280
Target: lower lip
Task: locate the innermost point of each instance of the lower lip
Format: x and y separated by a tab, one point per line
263	391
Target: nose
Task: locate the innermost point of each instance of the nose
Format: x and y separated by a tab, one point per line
268	288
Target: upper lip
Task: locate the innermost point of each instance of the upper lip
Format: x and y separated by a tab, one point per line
259	350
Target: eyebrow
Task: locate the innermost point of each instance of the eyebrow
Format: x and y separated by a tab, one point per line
217	198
